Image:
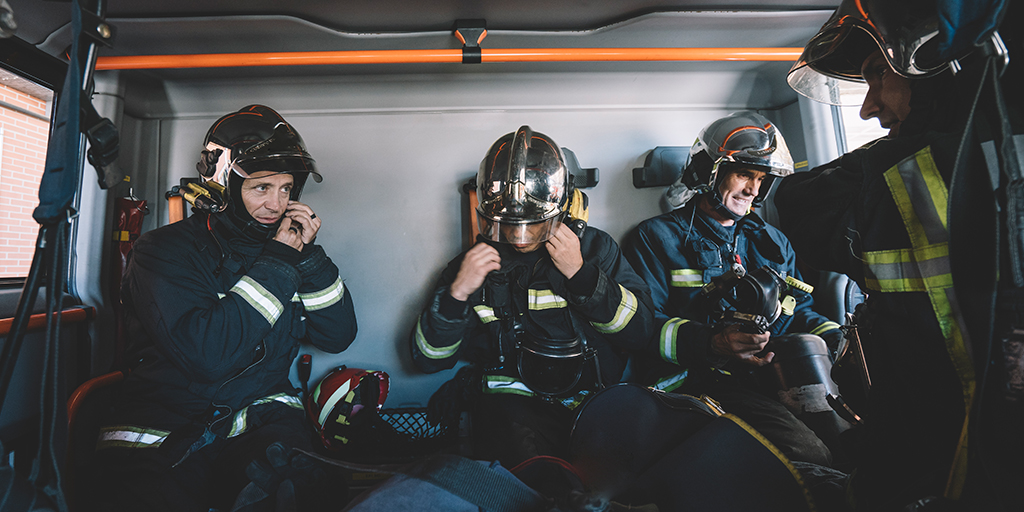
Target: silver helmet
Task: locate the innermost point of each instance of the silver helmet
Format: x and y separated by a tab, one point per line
522	188
829	69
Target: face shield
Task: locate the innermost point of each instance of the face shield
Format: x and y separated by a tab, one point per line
829	69
522	187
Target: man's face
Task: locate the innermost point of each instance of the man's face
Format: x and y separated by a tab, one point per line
888	96
522	236
739	187
265	195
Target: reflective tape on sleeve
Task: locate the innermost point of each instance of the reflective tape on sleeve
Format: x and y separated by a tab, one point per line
624	313
687	278
431	351
259	298
825	326
324	298
667	339
545	299
505	384
485	313
127	436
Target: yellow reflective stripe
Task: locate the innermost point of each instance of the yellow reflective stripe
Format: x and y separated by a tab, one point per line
505	384
324	298
921	197
545	299
778	455
430	351
670	383
687	278
485	313
826	326
667	339
240	423
127	436
259	298
624	313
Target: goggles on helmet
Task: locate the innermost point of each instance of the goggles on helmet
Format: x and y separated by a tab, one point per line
522	186
829	69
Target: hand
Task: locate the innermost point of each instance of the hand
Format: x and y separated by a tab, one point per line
479	261
305	219
743	346
564	249
290	233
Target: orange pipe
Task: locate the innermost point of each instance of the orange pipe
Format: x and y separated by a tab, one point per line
38	321
218	60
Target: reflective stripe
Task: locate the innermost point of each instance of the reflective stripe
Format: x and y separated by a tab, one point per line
687	278
627	307
485	313
826	326
545	299
259	298
240	422
672	381
669	333
333	400
127	436
921	197
504	384
324	298
430	351
795	473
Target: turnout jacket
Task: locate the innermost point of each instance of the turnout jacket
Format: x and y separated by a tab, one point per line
215	320
679	252
605	300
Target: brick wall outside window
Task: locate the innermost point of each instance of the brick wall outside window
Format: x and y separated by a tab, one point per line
22	162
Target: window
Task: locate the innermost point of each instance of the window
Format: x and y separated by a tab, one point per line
25	109
858	131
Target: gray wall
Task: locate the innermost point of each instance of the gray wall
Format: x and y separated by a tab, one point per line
394	151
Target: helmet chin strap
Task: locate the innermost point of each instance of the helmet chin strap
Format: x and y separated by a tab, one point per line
715	200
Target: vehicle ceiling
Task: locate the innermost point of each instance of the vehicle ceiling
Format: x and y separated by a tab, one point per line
148	27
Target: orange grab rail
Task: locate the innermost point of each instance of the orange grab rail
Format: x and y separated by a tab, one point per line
38	321
219	60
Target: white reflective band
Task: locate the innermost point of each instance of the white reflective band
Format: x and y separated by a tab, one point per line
130	437
627	307
502	384
259	298
672	381
240	423
545	299
333	400
485	313
669	332
687	278
431	351
324	298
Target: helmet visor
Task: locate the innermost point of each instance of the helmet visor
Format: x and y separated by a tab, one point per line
517	234
760	148
281	152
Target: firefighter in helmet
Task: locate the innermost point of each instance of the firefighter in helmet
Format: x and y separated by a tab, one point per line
215	306
539	309
919	220
715	233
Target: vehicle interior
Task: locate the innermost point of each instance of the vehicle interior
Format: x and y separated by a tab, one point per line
398	110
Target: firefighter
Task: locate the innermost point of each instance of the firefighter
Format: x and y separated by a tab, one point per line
542	312
936	433
215	306
732	166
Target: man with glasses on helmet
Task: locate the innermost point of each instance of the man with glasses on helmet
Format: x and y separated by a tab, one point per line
215	307
541	311
679	254
918	227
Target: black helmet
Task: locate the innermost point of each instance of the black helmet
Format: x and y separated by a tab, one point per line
905	32
740	140
256	138
522	187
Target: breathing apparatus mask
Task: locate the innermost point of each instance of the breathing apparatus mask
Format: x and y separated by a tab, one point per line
256	139
742	140
753	296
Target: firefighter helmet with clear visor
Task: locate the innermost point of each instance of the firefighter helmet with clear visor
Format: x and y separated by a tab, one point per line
255	138
829	69
522	188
